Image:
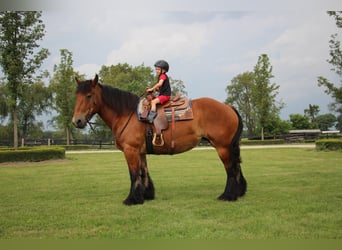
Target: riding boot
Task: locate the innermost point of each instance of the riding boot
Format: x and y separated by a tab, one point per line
151	116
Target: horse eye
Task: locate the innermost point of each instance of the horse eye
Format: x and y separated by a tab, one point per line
88	96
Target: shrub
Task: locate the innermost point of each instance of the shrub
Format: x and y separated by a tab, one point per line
32	154
329	144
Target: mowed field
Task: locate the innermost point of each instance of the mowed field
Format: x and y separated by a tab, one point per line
292	193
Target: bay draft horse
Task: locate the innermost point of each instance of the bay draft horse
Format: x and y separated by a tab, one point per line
215	121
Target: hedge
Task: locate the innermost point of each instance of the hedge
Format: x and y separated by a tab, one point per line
31	154
329	144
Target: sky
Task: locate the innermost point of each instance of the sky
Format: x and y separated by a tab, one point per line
206	44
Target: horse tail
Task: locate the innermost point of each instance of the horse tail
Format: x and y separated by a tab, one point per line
235	144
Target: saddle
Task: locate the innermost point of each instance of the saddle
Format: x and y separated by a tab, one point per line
177	109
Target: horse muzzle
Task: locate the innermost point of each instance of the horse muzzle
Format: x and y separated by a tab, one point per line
79	122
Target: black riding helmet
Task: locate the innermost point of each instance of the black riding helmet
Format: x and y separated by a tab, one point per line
162	64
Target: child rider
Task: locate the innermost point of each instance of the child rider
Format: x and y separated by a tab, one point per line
163	86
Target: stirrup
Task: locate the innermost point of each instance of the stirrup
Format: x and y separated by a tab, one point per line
156	139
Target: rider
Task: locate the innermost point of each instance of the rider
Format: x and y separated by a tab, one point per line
163	86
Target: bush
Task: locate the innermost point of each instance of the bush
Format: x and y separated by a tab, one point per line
32	154
329	144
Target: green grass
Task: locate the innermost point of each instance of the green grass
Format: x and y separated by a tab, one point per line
291	194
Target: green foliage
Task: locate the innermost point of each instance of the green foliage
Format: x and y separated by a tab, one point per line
32	105
63	87
32	154
177	87
312	113
326	121
20	57
126	77
292	194
4	109
334	89
329	144
299	121
265	93
240	95
254	96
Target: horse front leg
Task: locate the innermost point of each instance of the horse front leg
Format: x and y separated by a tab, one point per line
146	179
137	190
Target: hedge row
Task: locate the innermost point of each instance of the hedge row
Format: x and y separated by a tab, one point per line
329	144
32	154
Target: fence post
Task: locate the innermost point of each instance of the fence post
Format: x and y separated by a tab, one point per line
22	142
49	142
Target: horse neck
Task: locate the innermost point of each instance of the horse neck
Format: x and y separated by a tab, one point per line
111	117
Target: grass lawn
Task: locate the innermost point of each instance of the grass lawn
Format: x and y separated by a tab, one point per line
291	194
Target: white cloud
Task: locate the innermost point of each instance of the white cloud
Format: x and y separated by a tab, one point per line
164	40
89	70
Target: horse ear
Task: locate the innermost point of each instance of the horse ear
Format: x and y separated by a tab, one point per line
95	81
77	80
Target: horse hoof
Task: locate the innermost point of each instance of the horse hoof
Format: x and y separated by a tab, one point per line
223	197
130	202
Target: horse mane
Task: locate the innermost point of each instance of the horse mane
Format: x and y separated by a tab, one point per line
123	102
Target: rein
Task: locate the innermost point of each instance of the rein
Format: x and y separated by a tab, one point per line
121	131
124	127
129	118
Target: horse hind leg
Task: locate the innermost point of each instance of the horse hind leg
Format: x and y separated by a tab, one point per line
236	184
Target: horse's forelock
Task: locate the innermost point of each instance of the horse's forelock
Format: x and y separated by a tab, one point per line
84	87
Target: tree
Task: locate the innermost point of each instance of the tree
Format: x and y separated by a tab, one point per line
264	94
126	77
299	121
240	95
312	113
3	104
276	126
334	89
325	121
255	97
32	105
177	87
63	87
20	57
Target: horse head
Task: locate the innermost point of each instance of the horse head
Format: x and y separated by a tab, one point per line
88	100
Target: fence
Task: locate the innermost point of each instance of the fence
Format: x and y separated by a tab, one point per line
49	142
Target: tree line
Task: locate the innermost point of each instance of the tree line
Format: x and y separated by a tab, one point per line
27	92
254	94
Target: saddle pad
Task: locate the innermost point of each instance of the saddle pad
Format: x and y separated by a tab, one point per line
180	115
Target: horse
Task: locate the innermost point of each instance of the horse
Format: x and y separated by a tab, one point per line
217	122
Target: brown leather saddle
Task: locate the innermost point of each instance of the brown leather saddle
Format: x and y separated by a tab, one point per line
177	109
